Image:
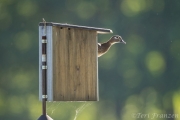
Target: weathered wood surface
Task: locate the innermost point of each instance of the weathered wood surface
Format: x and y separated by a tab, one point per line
74	64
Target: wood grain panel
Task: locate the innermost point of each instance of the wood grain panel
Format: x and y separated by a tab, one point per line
74	64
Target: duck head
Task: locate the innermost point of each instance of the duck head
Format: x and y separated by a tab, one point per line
116	39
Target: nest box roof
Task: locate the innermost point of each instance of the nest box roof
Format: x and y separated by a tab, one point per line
99	30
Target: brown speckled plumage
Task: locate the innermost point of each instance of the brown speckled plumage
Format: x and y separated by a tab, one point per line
104	47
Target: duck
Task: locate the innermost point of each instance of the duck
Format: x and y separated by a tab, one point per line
104	47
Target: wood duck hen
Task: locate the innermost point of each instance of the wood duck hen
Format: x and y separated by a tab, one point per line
104	47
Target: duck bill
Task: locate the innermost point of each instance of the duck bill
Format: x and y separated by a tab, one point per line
123	42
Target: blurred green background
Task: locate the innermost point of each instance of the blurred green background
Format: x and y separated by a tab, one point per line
142	76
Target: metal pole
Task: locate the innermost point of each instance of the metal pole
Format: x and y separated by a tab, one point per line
44	75
44	116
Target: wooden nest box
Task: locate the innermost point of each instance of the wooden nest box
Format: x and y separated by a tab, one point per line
72	62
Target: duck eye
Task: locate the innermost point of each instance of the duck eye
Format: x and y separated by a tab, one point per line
116	37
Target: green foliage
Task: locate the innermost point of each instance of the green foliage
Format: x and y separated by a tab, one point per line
139	77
